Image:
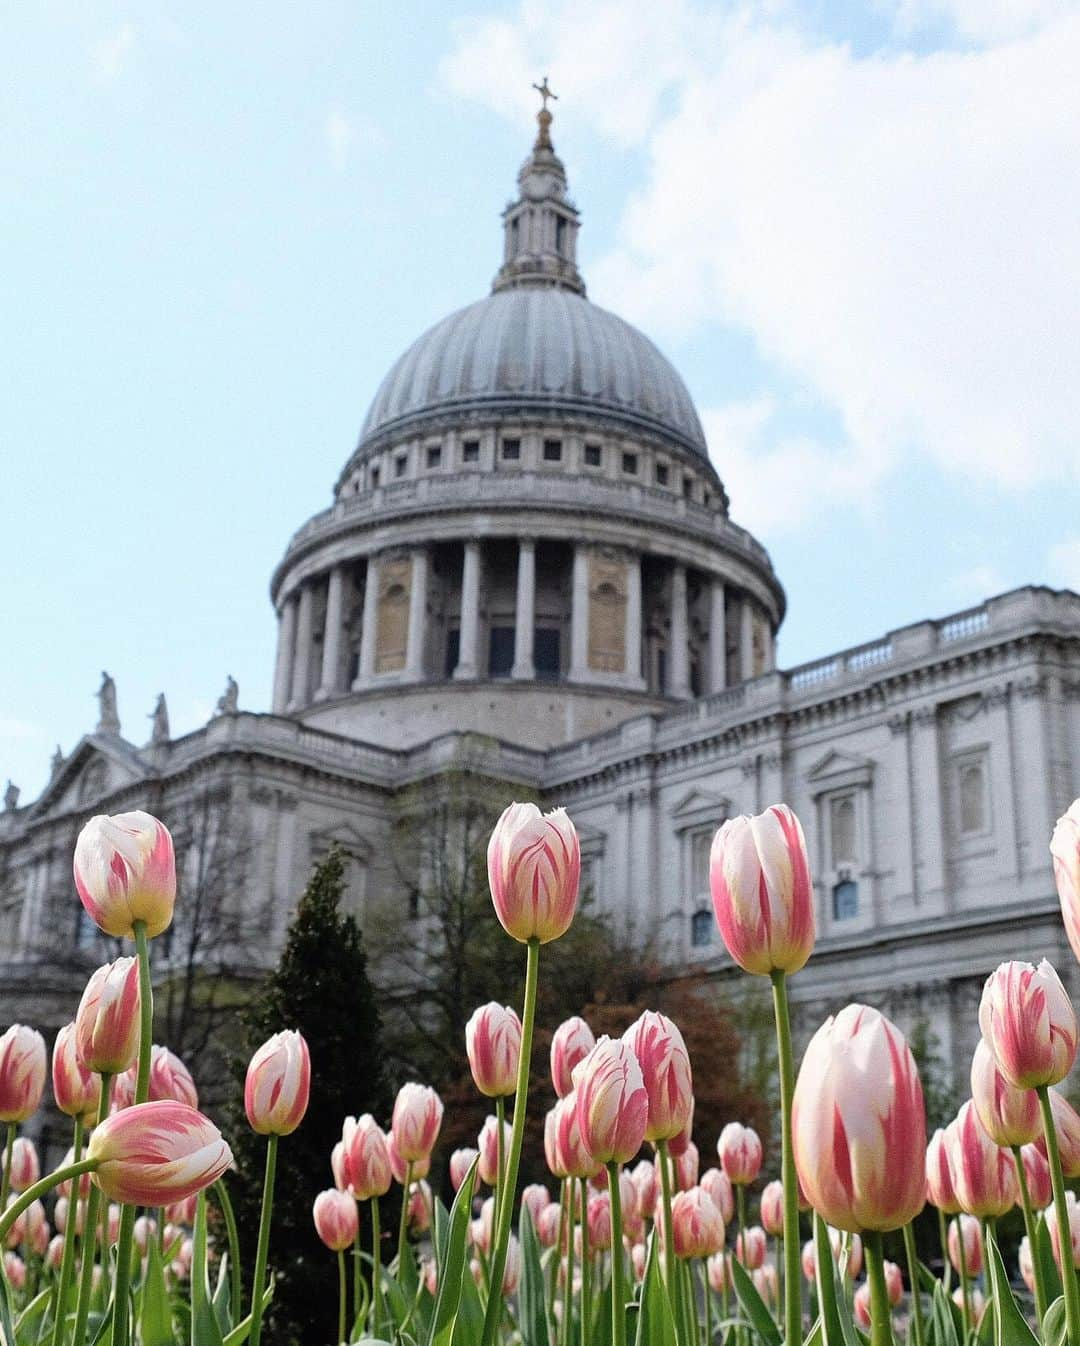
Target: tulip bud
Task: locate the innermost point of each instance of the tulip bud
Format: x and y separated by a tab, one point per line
965	1245
122	1093
612	1104
848	1250
859	1124
1029	1024
62	1214
1011	1116
552	1156
25	1165
861	1304
419	1208
170	1079
429	1274
638	1261
483	1226
767	1283
398	1168
512	1269
418	1113
686	1168
488	1144
571	1042
112	1223
145	1229
15	1271
751	1245
54	1254
894	1283
493	1046
940	1191
772	1209
534	1199
36	1228
1037	1173
107	1020
22	1073
366	1158
278	1085
181	1213
336	1220
125	872
761	891
984	1175
547	1225
460	1163
153	1154
809	1261
739	1148
573	1159
534	868
1065	850
975	1298
599	1218
1053	1230
1025	1264
1067	1126
697	1227
665	1068
645	1181
720	1275
76	1088
718	1185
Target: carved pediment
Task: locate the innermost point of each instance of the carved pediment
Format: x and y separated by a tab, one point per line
99	767
344	835
701	806
838	769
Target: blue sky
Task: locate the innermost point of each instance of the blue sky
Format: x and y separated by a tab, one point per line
851	226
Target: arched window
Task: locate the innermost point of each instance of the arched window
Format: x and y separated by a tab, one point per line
701	928
972	797
845	900
842	825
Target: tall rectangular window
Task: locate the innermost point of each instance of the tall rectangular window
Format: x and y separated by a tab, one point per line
552	450
511	450
470	451
842	829
434	455
501	652
629	464
546	653
592	455
453	650
400	464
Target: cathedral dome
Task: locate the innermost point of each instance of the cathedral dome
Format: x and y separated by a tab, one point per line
536	346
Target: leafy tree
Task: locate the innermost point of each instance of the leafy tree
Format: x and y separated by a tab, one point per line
320	987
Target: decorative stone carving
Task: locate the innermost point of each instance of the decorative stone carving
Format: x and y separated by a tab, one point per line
11	797
159	717
108	717
229	700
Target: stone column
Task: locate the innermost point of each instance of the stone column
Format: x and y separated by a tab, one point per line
633	621
746	638
369	622
525	617
679	653
579	617
929	818
717	637
414	649
469	637
329	683
301	677
286	645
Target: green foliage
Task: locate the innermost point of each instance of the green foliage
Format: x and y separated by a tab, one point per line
320	987
938	1093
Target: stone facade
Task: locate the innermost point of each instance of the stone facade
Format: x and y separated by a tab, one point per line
529	573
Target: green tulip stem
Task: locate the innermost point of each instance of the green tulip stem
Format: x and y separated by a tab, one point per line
943	1235
89	1239
618	1293
670	1271
786	1061
9	1153
342	1282
236	1287
42	1188
586	1267
262	1249
1029	1228
1061	1210
403	1218
493	1312
376	1267
708	1300
568	1284
500	1157
912	1254
67	1262
880	1308
965	1280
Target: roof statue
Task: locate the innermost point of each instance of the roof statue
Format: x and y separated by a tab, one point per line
108	716
229	700
56	761
11	797
159	732
544	117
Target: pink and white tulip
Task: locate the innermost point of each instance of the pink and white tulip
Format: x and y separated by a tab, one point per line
460	1163
767	1283
25	1164
125	872
418	1114
1065	852
154	1154
76	1089
574	1160
493	1046
697	1227
1067	1126
1073	1209
646	1183
1037	1173
718	1185
859	1123
512	1269
984	1174
847	1249
751	1246
336	1220
399	1168
761	891
366	1158
665	1068
534	871
571	1042
686	1167
419	1208
1029	1024
107	1020
170	1079
965	1243
721	1277
534	1199
612	1102
599	1218
740	1151
488	1145
940	1191
1011	1116
772	1208
278	1085
547	1225
23	1066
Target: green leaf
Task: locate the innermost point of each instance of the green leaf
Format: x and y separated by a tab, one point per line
1055	1326
1010	1325
455	1264
1044	1251
836	1325
656	1322
532	1300
155	1317
945	1328
242	1330
204	1324
760	1318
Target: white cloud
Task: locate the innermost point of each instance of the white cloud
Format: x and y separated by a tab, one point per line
982	20
1063	561
975	584
895	231
110	55
344	133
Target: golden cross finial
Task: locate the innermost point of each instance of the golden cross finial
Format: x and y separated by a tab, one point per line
545	92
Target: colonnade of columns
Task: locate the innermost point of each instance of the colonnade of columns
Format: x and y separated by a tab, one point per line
298	681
